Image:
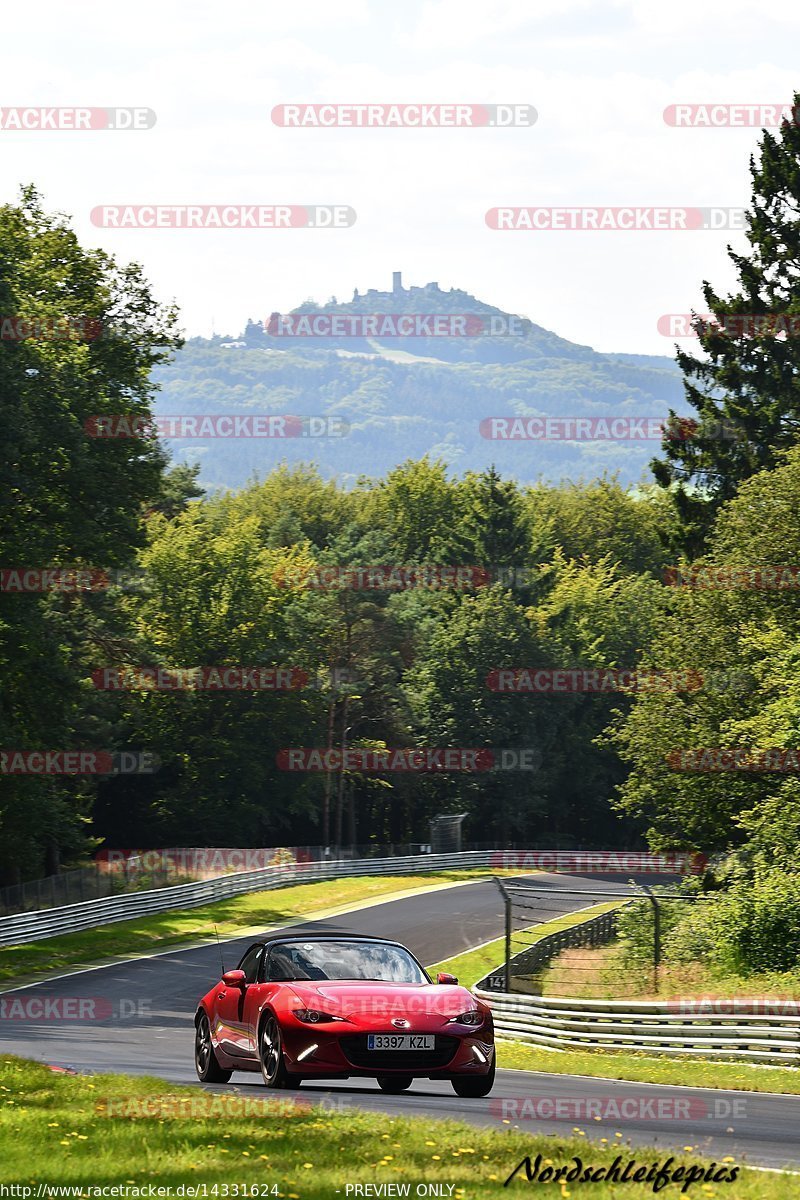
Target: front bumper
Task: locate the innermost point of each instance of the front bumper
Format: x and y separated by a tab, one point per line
342	1054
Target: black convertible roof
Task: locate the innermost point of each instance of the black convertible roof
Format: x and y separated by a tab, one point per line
327	937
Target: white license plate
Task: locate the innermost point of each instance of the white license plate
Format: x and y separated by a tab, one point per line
400	1041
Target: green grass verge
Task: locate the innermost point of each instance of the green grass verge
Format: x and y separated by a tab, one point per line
640	1068
54	1130
143	935
474	965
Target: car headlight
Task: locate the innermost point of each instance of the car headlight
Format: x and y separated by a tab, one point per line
313	1016
474	1018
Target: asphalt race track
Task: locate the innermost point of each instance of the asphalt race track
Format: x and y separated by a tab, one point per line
148	1029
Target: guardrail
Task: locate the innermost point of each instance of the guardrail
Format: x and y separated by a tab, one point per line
30	927
642	1026
647	1026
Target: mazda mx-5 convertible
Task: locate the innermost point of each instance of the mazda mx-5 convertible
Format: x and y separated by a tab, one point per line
338	1006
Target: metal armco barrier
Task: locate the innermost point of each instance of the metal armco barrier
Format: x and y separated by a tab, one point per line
647	1026
20	928
643	1026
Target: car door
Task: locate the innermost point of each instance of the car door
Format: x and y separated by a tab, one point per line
262	991
232	1033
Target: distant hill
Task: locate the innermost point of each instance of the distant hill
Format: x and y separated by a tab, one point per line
406	396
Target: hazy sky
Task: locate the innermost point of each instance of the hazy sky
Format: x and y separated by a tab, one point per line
599	73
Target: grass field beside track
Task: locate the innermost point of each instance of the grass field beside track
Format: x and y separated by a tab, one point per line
238	916
56	1129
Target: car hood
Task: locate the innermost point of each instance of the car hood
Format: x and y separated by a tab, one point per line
373	999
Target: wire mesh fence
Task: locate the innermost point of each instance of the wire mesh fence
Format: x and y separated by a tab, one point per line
84	883
607	941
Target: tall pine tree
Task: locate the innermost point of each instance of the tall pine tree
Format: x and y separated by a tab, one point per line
745	387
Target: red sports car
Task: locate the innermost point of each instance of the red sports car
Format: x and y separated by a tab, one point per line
341	1005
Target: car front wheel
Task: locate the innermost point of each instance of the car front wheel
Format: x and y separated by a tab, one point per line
205	1060
473	1086
270	1054
395	1083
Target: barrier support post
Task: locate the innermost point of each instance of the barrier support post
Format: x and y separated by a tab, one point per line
507	965
656	934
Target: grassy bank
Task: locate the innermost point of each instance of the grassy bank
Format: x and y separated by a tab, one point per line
253	912
605	973
57	1129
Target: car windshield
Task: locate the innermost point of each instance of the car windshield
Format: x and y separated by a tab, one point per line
343	960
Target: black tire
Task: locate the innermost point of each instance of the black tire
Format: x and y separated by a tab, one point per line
270	1054
394	1084
471	1087
205	1060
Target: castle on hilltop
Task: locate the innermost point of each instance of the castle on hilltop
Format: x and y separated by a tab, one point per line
399	290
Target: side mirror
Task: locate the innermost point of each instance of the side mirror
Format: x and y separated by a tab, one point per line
234	979
443	977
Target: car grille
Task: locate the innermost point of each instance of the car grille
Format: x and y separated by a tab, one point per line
355	1049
